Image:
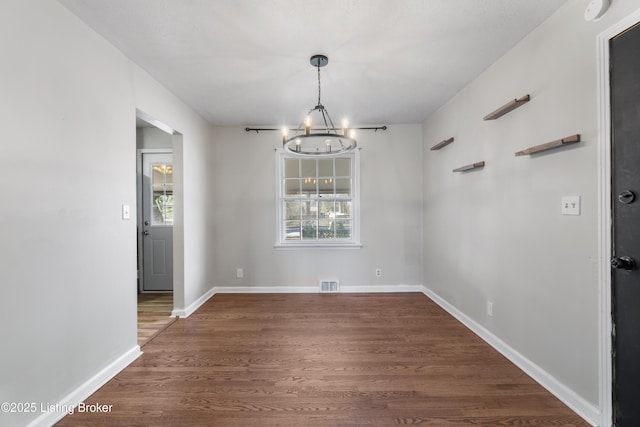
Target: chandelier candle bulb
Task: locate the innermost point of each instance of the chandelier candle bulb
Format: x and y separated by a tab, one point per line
285	133
307	125
345	127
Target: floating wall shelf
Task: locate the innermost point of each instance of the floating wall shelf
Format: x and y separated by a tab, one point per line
550	145
472	166
444	143
509	106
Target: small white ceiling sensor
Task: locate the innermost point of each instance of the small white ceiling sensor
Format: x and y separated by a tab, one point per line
596	9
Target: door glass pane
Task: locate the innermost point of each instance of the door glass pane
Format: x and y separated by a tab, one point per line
162	197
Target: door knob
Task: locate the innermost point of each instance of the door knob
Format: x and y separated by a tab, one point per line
623	263
626	197
145	232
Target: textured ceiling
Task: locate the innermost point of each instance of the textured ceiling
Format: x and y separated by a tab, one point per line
246	62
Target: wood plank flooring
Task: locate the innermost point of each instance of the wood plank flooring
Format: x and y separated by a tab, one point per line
322	360
154	314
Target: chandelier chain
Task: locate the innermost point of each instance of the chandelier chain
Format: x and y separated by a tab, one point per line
318	66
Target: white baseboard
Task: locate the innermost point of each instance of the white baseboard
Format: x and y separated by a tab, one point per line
586	410
383	288
266	289
313	289
87	389
286	290
194	305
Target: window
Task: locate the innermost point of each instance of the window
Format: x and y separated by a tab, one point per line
317	200
162	185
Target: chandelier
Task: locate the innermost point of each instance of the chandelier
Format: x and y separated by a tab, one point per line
322	141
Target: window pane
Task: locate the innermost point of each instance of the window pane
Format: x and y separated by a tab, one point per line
309	229
326	209
292	230
309	185
162	209
168	177
309	168
343	229
326	229
343	209
325	167
157	177
291	168
325	186
343	167
292	209
292	187
343	187
309	209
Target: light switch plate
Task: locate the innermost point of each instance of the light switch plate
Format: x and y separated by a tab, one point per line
126	212
571	205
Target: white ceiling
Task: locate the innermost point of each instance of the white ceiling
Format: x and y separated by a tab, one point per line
246	62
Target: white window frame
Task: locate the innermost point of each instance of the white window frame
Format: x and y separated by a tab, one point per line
353	242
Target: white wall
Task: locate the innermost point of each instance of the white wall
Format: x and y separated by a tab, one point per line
67	164
391	204
152	137
497	234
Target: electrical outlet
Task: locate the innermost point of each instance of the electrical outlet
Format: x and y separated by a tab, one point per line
378	272
489	308
239	273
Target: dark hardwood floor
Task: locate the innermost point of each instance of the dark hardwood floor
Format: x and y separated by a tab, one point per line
154	314
326	360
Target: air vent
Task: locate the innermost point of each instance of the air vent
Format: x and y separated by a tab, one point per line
329	286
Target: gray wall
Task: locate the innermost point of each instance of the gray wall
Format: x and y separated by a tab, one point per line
67	164
497	234
391	202
152	137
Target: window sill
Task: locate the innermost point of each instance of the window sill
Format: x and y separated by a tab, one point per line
294	246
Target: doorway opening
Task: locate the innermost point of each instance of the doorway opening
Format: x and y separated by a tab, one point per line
155	209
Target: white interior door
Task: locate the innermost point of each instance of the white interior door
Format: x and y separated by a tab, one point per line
157	222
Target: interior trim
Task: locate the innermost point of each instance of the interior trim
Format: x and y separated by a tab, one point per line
584	409
604	216
88	388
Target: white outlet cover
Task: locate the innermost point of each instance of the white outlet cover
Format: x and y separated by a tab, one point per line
571	205
596	9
